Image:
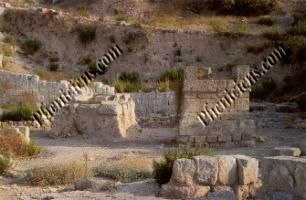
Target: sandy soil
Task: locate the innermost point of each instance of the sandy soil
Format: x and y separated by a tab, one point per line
64	149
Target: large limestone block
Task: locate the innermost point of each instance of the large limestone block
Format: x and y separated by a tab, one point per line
248	169
184	192
183	172
284	173
227	170
206	170
286	151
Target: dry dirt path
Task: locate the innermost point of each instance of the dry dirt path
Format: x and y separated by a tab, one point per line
64	149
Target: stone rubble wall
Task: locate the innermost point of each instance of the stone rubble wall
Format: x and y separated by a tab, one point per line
16	88
108	119
237	177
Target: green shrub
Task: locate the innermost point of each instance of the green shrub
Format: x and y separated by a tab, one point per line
112	39
162	170
257	48
5	165
264	91
268	21
178	52
125	86
132	77
298	29
22	113
87	33
174	74
29	47
243	7
53	67
121	17
132	36
275	34
58	174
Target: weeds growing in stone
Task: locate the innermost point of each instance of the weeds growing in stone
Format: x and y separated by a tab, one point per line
162	170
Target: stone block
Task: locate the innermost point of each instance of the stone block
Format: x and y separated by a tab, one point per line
248	169
206	170
212	139
287	151
284	173
227	170
183	172
236	137
224	138
184	192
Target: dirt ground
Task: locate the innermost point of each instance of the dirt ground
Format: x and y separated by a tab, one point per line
64	149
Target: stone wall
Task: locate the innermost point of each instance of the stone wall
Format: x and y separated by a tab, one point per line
104	118
205	176
238	177
26	88
155	109
284	177
202	88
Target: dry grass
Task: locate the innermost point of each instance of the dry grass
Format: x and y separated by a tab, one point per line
28	99
58	174
11	143
127	169
51	76
7	49
6	165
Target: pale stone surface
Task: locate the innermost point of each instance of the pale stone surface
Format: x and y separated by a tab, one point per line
286	151
284	173
227	170
183	192
108	120
207	170
248	169
183	172
26	132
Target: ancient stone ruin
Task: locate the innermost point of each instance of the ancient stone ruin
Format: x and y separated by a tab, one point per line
202	88
231	177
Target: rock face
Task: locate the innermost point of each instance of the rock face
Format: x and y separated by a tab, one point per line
248	169
109	118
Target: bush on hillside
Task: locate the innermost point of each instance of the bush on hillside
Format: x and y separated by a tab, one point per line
243	7
132	77
87	33
29	47
21	113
